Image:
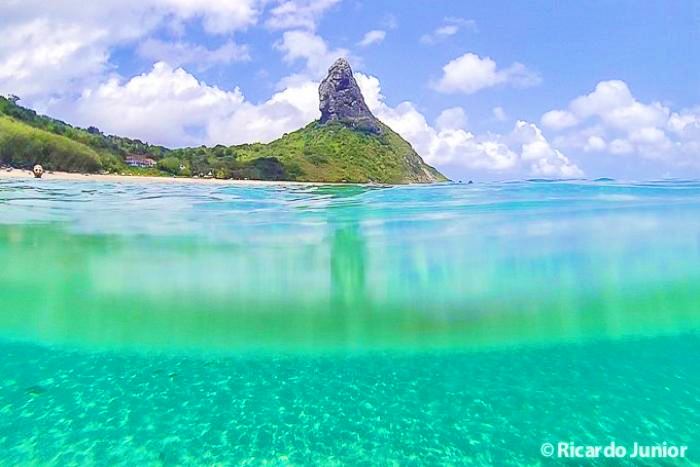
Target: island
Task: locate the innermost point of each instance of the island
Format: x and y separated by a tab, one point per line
347	144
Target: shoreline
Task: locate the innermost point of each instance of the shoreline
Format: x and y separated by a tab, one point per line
20	174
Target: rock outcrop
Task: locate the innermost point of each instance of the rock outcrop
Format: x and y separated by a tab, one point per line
382	155
341	100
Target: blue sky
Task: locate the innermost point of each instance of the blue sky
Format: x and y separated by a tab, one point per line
483	90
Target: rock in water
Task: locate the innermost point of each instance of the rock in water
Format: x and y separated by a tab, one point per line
341	100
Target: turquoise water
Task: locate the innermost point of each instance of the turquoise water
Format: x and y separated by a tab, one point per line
183	324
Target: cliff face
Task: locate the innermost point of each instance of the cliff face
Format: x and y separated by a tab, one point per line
341	100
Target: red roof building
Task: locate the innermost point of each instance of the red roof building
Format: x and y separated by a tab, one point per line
135	160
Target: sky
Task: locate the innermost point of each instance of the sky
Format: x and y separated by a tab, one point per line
493	90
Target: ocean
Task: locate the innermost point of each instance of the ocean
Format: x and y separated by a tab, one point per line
452	324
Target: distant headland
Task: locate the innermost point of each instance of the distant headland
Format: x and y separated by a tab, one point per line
347	144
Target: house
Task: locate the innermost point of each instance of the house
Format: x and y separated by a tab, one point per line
136	160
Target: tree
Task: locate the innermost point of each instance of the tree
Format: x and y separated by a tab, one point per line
170	164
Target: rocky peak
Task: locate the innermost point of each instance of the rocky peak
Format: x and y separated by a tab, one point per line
341	100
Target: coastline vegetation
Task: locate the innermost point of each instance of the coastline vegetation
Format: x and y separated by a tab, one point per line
23	146
329	152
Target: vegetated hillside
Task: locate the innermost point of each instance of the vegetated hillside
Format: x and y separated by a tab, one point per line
23	146
333	152
330	152
109	151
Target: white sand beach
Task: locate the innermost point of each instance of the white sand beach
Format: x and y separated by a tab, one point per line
49	176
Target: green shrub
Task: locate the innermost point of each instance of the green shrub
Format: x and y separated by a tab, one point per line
170	164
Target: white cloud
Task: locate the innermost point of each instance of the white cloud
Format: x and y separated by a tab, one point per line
651	142
624	125
298	14
218	16
447	30
525	149
164	106
134	18
558	119
61	46
310	49
499	114
37	57
685	124
450	27
595	144
454	117
538	153
614	104
620	146
471	73
183	53
372	37
170	106
285	111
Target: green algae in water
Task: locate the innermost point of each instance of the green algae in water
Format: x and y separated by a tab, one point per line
172	324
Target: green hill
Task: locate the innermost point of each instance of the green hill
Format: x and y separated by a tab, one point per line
333	152
23	146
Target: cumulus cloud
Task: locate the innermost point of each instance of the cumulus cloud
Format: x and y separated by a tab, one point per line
595	143
61	46
31	65
164	106
449	27
298	14
524	149
620	146
471	73
170	106
129	18
285	111
610	119
312	51
218	16
453	117
614	104
184	53
372	37
539	155
558	119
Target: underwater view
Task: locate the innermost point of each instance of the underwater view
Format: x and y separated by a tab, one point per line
288	324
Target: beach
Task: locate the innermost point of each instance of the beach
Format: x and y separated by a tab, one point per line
67	176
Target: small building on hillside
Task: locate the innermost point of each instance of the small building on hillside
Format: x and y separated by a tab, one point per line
136	160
